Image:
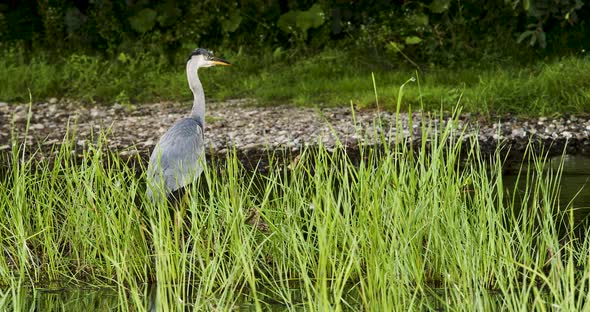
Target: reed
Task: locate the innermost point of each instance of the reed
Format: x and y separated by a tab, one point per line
400	227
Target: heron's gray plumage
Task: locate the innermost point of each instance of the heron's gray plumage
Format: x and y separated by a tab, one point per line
178	158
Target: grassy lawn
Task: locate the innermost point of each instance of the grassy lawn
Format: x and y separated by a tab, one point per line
328	78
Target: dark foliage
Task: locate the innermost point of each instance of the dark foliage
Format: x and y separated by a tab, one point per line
437	31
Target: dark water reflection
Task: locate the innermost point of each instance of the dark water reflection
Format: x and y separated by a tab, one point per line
575	184
73	299
146	299
574	188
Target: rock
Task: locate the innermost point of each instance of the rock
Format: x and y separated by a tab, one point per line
52	100
38	126
118	107
51	142
96	112
234	124
51	109
251	146
20	115
518	133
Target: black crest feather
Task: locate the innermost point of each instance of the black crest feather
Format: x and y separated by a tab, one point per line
200	51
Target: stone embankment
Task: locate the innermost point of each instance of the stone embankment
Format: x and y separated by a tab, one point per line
136	128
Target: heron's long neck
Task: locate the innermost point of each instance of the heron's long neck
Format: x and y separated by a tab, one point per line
198	111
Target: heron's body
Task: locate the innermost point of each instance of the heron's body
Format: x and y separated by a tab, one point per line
179	157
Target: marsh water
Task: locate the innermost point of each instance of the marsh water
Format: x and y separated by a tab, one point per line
574	192
574	185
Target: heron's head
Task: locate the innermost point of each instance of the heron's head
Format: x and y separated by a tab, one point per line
205	58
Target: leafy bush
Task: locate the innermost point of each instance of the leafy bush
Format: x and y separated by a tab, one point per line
436	31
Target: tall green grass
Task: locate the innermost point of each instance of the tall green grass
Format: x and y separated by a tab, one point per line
401	227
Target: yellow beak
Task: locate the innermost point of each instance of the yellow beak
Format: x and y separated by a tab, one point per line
220	61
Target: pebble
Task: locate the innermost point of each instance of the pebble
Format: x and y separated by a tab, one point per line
117	106
238	124
251	146
38	126
518	132
20	116
51	142
96	112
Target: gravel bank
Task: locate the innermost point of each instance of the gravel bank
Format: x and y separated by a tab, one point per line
135	129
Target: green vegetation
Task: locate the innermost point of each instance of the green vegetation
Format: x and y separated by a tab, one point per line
507	56
441	31
398	229
401	228
329	78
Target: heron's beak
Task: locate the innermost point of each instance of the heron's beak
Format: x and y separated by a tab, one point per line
220	61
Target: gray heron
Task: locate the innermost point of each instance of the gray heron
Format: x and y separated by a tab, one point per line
179	156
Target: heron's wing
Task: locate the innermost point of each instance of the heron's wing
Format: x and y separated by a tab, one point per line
178	158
